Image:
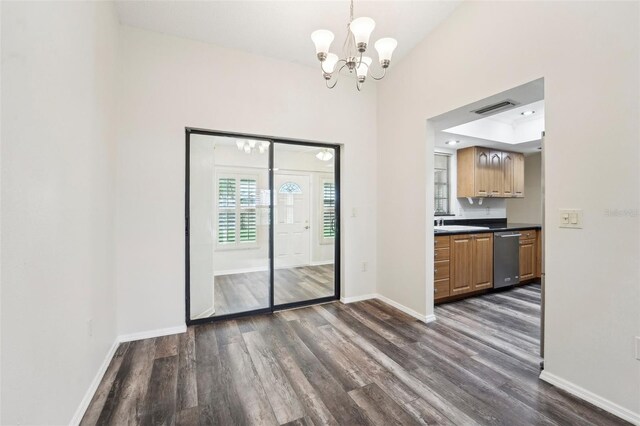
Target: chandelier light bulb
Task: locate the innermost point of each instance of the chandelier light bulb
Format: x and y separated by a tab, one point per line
362	29
329	64
324	155
385	47
322	39
363	68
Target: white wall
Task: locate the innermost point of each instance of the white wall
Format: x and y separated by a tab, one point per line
529	208
58	157
167	83
587	53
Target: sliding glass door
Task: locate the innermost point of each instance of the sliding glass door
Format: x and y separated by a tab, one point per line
304	223
237	186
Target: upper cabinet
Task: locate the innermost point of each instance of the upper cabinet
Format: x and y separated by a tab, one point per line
484	172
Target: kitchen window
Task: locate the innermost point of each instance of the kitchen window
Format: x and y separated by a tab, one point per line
441	182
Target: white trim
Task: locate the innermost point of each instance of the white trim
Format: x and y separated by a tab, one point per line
409	311
321	262
93	386
152	333
206	313
591	397
241	271
358	298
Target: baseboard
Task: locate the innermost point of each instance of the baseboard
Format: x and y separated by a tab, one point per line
591	397
241	271
152	333
358	298
88	396
321	262
93	387
406	310
206	313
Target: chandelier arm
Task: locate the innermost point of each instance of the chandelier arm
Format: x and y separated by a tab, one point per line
334	69
384	73
337	76
358	85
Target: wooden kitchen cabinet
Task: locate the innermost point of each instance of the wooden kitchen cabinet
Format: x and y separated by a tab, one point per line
518	174
495	174
528	255
441	267
471	263
483	172
507	174
482	261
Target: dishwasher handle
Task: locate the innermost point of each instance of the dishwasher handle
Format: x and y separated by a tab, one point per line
510	235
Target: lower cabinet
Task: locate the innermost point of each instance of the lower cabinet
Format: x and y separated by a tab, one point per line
441	268
463	263
471	262
528	255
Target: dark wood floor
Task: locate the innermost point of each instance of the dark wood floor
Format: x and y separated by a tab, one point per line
362	363
250	291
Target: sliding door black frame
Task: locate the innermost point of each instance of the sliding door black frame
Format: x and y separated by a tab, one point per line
272	306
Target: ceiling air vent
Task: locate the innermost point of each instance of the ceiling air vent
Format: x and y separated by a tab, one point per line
495	107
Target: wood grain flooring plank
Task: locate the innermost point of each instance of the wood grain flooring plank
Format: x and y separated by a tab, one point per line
341	367
167	346
281	395
187	396
99	400
380	408
160	401
248	388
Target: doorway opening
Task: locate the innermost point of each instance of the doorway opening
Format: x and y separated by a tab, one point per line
262	224
488	209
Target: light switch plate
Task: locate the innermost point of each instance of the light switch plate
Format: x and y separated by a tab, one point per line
571	218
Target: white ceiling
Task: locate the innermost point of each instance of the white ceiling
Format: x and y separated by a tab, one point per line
527	96
282	29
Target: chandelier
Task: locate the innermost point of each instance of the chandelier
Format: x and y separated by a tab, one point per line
353	49
249	146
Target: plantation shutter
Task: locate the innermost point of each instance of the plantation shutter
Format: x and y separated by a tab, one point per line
328	210
226	210
248	213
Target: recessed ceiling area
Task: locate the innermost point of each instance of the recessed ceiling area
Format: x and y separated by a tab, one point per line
517	128
282	29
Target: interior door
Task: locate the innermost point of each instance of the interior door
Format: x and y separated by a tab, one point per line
292	220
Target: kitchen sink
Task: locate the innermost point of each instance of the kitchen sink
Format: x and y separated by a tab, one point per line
459	228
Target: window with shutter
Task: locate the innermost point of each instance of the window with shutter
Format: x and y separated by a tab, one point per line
441	182
328	211
237	212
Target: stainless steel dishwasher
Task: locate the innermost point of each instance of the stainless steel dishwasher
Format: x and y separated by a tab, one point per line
506	258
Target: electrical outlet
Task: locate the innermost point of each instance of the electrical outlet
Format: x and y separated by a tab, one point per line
638	348
364	266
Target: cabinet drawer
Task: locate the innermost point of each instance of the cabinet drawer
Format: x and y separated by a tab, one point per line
441	253
441	269
441	289
529	234
440	242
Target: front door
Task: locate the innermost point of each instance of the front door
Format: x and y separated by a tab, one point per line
292	220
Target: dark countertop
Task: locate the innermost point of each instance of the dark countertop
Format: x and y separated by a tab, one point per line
493	227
